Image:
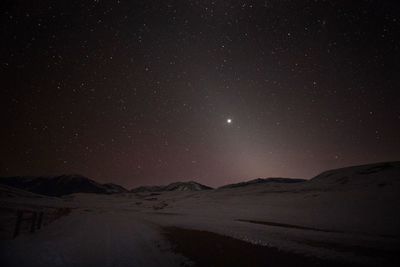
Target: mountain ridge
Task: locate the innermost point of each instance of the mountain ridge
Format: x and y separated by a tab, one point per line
60	185
263	181
176	186
381	174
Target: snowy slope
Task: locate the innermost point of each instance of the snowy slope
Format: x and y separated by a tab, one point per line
186	186
177	186
357	177
348	214
262	181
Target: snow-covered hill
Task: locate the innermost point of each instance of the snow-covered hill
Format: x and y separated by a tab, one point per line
346	215
263	181
115	188
177	186
357	177
186	186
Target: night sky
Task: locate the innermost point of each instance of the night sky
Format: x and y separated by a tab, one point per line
140	92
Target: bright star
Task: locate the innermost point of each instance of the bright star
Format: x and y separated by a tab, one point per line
229	121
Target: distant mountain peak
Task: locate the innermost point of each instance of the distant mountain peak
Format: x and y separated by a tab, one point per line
176	186
186	186
115	188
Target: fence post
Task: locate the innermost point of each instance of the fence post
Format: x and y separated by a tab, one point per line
33	224
18	223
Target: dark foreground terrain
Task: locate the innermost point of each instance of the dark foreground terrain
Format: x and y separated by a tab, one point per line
205	249
343	217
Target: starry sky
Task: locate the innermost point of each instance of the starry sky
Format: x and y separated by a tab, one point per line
140	92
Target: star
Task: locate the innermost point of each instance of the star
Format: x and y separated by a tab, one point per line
136	95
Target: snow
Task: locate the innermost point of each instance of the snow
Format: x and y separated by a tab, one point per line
351	219
91	238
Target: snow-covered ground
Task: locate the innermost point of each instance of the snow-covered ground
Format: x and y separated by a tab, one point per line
350	215
91	238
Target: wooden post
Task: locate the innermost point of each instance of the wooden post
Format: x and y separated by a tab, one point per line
40	220
20	213
33	224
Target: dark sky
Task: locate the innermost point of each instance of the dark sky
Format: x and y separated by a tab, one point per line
139	92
